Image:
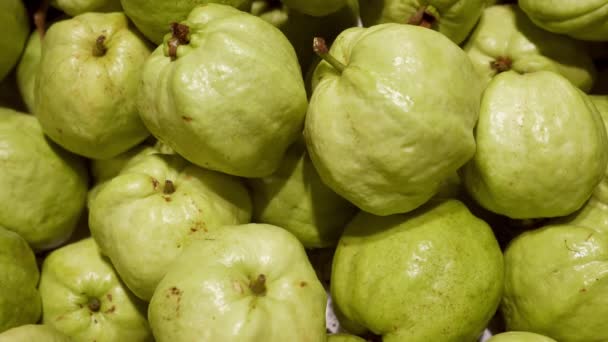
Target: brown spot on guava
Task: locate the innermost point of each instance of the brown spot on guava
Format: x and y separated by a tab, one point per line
112	309
186	118
501	64
167	198
303	284
109	296
155	183
582	290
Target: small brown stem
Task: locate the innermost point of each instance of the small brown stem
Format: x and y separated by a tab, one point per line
99	49
94	304
40	18
258	286
320	48
179	37
422	18
501	64
169	187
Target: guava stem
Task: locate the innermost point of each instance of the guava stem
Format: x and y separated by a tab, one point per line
320	48
422	18
99	49
179	37
169	187
501	64
258	286
94	304
40	18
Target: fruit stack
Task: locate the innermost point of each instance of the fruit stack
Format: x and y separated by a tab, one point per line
221	170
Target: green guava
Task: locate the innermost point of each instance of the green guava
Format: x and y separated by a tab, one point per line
14	29
241	283
541	147
220	101
159	201
453	18
34	333
520	336
44	187
369	128
434	274
27	70
317	8
295	198
85	91
341	338
154	17
19	298
556	283
581	19
505	39
83	297
76	7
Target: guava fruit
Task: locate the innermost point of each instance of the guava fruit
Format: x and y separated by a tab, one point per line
154	17
33	332
541	147
76	7
27	69
434	274
83	297
453	18
295	198
241	283
159	201
505	39
370	129
520	336
317	8
19	298
44	186
581	19
342	338
300	28
556	283
87	83
220	101
14	30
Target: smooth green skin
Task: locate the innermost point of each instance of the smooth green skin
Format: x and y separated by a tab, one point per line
316	8
104	170
581	19
506	32
295	198
154	17
454	18
86	103
369	130
76	7
27	70
541	147
218	304
435	274
71	276
520	336
132	210
300	28
19	298
558	261
34	332
226	104
44	187
14	28
341	338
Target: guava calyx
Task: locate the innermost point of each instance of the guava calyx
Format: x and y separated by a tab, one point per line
320	48
501	64
94	304
179	36
100	49
169	187
40	18
424	17
258	285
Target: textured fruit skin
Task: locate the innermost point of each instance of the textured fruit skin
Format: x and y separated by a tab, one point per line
76	7
218	304
506	32
520	336
76	273
370	130
434	274
454	18
14	30
27	70
541	147
225	103
154	17
133	210
44	186
86	103
19	298
581	19
558	261
33	332
295	198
